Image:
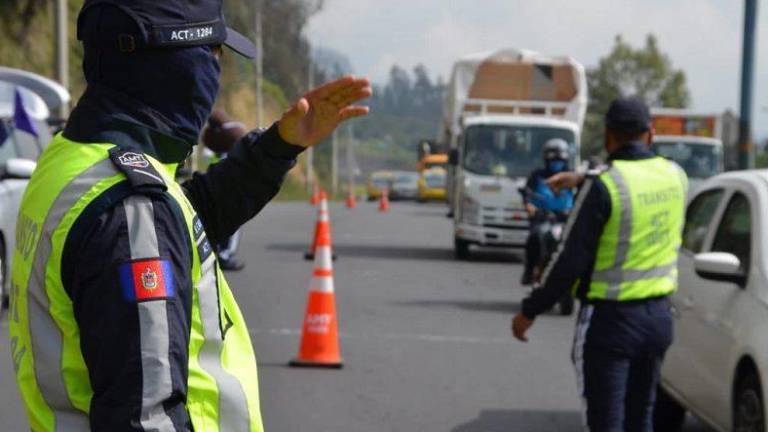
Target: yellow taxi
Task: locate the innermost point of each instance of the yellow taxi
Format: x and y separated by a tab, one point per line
432	185
377	182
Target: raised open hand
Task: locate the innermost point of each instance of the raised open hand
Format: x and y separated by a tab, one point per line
318	113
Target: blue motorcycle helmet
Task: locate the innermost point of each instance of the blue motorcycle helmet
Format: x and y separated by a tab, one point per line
557	154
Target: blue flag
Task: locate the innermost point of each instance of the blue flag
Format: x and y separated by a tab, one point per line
21	119
4	134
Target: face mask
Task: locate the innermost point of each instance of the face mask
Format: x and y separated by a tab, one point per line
556	166
180	84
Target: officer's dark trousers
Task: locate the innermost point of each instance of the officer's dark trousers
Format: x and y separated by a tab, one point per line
618	350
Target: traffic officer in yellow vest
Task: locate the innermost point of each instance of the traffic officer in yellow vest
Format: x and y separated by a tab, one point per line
121	318
619	254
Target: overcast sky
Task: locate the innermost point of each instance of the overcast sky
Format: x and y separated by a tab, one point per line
703	37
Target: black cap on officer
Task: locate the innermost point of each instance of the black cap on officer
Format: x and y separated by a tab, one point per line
167	24
629	116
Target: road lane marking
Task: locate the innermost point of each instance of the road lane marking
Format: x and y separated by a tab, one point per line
393	336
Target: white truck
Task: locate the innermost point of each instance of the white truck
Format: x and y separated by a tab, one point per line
500	109
693	140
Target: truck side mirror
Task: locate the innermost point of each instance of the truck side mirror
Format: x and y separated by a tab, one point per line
453	157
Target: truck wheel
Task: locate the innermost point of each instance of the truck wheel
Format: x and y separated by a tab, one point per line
668	415
461	249
748	415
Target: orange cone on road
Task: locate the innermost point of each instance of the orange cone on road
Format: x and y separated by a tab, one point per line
351	200
320	335
384	201
322	227
315	198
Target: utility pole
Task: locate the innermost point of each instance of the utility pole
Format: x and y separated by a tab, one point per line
335	162
62	50
350	159
259	65
746	149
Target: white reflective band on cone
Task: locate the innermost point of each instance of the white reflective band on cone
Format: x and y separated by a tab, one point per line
323	213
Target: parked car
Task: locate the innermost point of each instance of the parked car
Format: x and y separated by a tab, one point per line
717	367
405	186
19	151
432	185
377	182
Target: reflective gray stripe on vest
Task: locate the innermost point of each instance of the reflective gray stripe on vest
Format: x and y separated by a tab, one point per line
616	275
46	338
153	321
634	275
625	235
233	405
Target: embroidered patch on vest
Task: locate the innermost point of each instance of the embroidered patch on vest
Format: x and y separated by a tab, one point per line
150	279
138	169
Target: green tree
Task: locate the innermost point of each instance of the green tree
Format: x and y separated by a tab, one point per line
627	71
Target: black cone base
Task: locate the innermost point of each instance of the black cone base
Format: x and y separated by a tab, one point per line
309	256
305	364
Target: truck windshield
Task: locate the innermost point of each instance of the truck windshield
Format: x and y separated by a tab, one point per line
512	151
699	161
435	180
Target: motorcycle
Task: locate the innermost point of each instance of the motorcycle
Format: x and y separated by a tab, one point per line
550	226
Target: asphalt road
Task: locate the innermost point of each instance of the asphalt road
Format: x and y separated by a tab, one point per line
425	338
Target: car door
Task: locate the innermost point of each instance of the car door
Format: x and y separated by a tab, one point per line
677	371
713	305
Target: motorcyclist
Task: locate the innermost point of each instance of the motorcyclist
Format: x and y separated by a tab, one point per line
540	201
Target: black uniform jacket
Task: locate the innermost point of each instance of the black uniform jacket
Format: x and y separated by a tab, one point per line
225	197
576	259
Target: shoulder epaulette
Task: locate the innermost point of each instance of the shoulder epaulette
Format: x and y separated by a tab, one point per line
139	170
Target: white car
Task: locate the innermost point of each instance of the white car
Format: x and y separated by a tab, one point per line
19	151
717	366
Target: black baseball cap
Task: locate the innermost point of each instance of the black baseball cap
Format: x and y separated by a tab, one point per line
165	24
629	115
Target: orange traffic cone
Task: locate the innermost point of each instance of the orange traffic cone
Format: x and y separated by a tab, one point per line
351	200
315	198
384	201
320	335
322	227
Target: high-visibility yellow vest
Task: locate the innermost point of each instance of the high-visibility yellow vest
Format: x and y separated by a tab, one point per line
637	252
223	394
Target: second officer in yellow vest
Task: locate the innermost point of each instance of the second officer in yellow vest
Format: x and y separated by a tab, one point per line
619	253
121	319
